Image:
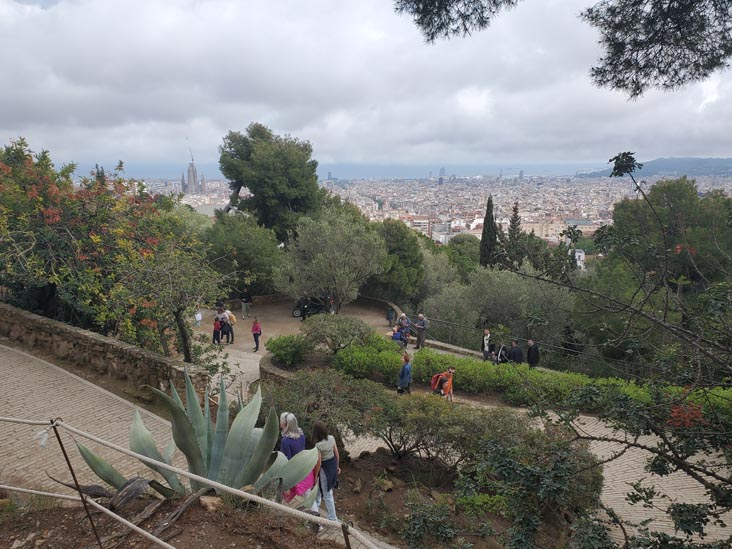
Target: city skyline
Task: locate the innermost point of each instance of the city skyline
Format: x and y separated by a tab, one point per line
356	80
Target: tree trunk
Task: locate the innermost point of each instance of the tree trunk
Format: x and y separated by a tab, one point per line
185	337
233	197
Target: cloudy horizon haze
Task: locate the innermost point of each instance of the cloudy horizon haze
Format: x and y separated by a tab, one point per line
142	81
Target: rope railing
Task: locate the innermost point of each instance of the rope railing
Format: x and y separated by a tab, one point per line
59	423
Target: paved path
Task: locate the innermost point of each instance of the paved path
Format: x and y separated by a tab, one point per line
32	388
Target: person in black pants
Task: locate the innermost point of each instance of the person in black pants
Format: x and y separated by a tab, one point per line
532	354
515	354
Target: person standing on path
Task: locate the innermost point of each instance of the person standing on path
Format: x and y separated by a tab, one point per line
246	302
515	354
256	332
216	331
293	442
403	323
405	375
501	356
421	328
326	470
532	354
230	321
486	346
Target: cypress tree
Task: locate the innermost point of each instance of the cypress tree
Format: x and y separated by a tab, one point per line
514	244
488	241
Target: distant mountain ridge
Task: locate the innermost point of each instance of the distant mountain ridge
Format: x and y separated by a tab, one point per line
676	167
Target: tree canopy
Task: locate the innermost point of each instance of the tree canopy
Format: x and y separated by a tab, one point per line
647	43
333	255
278	172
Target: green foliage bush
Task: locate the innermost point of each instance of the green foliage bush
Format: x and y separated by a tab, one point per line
289	350
477	505
336	332
519	385
428	521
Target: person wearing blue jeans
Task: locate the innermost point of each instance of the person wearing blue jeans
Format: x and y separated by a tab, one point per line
326	470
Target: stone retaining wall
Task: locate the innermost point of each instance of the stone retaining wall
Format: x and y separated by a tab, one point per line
104	355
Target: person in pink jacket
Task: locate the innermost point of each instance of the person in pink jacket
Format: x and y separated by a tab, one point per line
256	332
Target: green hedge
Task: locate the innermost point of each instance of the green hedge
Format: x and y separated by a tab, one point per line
519	384
289	350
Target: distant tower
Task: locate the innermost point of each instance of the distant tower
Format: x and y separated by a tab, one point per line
192	176
521	175
500	175
203	184
183	187
442	172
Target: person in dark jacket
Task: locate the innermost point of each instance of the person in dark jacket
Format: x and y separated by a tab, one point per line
532	354
501	355
515	354
405	375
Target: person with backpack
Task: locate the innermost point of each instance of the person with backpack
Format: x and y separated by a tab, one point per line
441	384
223	319
230	321
405	376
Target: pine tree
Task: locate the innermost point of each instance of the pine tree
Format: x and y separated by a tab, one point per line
514	242
488	241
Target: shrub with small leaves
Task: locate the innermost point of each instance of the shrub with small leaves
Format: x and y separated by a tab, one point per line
289	350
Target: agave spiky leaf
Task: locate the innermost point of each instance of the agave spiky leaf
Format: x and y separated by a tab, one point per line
220	434
142	442
298	467
271	473
195	415
101	468
132	489
184	436
176	396
168	452
238	443
209	428
262	452
308	499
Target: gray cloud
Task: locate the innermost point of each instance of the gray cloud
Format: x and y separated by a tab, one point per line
100	80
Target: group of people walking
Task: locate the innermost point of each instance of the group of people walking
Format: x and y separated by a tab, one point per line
500	354
224	322
324	477
400	330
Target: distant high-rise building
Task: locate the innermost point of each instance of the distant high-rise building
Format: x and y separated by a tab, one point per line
430	174
203	184
183	187
442	172
330	176
192	186
521	175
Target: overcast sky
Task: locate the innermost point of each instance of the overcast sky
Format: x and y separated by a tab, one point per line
103	80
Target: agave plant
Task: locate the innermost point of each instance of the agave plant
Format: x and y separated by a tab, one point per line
241	455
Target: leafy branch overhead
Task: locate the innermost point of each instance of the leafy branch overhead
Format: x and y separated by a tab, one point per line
646	43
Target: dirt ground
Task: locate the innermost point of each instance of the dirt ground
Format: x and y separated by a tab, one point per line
378	488
68	528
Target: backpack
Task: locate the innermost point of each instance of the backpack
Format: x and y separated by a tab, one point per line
231	318
435	380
